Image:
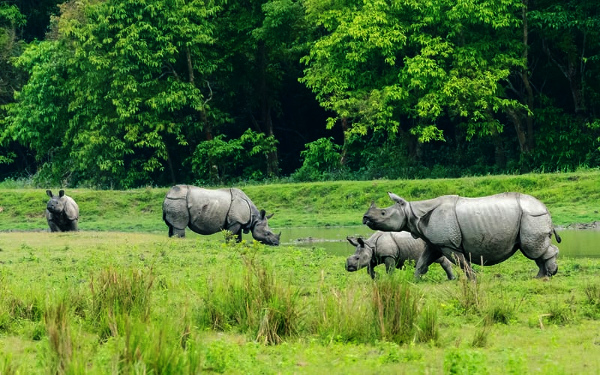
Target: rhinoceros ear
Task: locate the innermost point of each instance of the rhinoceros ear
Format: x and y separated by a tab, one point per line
270	216
396	198
49	192
352	241
361	241
61	193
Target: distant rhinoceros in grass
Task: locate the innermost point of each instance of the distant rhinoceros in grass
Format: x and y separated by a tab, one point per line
62	213
486	230
207	211
391	249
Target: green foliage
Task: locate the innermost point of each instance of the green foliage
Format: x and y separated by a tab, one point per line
244	157
116	79
321	160
465	362
381	61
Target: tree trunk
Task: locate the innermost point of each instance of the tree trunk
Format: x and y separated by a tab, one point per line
345	145
530	139
265	109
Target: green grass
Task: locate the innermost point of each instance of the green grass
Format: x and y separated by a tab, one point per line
100	302
570	197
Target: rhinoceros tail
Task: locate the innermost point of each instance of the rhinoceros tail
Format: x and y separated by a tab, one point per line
558	239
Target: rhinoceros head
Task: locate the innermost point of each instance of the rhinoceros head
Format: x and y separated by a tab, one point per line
389	219
56	204
261	231
362	257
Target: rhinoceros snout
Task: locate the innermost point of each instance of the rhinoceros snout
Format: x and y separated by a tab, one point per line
350	265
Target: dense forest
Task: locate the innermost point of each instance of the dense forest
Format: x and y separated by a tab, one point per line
128	93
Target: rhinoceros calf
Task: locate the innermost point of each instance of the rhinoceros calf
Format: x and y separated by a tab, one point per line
486	230
207	211
391	249
62	213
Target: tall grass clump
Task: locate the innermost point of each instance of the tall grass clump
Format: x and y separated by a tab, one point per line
395	309
427	325
341	314
592	300
256	303
115	293
150	347
59	336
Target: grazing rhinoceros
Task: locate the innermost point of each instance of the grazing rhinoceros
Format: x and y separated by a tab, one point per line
391	249
62	213
486	230
210	211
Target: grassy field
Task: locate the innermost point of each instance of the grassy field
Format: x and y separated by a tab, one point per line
121	297
109	302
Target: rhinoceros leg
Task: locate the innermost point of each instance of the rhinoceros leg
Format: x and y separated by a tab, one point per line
536	243
390	264
72	226
236	229
53	227
429	256
548	267
371	271
447	266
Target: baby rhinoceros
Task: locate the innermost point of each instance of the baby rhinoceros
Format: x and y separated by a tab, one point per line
62	213
391	249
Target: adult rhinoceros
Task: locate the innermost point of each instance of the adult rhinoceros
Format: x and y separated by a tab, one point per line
391	249
486	230
207	211
62	213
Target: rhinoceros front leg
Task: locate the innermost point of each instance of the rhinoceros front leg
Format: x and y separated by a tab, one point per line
390	264
371	271
53	227
463	262
73	226
447	266
429	256
236	230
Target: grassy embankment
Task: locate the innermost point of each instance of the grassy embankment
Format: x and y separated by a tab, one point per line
105	302
570	197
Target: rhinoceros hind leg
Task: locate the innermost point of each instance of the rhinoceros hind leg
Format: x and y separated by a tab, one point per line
548	266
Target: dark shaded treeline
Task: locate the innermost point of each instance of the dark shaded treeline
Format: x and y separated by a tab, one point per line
129	93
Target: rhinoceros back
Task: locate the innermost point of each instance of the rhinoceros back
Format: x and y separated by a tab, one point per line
208	209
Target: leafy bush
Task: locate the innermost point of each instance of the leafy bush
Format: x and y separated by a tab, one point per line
321	159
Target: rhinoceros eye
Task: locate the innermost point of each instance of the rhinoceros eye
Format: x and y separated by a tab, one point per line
382	213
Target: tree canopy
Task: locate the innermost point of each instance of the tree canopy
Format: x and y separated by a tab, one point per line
134	92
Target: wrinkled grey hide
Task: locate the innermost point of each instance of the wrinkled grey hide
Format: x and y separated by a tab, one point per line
62	213
391	249
207	211
486	230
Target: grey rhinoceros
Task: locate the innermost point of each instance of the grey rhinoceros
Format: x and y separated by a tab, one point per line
62	213
391	249
486	230
207	211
